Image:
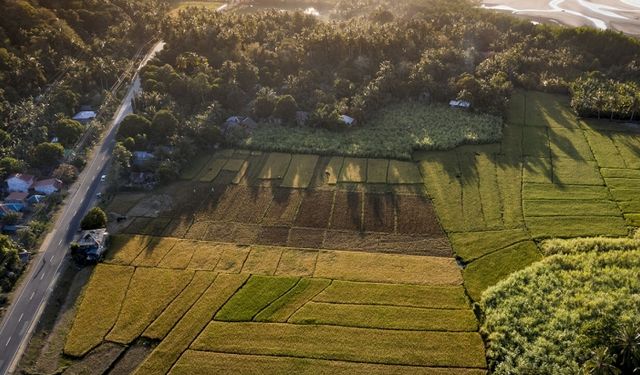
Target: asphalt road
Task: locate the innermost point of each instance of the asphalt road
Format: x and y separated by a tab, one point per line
35	289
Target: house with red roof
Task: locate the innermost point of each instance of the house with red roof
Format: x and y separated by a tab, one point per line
20	182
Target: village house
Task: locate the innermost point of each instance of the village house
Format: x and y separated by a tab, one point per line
48	186
16	200
91	245
84	117
141	158
20	182
245	123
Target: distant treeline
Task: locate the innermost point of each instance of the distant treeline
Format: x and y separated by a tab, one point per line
593	95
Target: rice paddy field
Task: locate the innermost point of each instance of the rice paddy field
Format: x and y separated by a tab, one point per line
281	262
552	176
276	262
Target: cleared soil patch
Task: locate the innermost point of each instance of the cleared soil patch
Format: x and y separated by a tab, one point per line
306	237
149	292
389	268
198	362
102	297
123	202
387	243
315	209
389	317
343	343
97	361
416	215
284	207
248	204
379	213
347	211
275	236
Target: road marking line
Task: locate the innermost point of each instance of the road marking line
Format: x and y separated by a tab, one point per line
20	318
8	341
42	276
32	294
60	243
51	260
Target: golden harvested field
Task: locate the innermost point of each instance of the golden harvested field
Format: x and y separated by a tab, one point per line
289	248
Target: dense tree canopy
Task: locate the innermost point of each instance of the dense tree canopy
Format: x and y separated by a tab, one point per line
430	50
96	218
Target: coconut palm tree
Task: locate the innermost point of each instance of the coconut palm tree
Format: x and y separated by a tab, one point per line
601	363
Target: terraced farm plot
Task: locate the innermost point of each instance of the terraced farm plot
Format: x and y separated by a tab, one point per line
386	317
377	171
379	213
275	166
211	170
282	308
300	171
406	269
149	292
353	170
344	343
347	211
403	172
315	209
102	297
179	306
254	296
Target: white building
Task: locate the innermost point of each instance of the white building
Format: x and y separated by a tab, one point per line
20	182
48	186
84	116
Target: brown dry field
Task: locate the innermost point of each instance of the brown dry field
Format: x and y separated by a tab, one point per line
359	217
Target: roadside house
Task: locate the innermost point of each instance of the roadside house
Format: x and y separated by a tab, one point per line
20	182
48	186
92	245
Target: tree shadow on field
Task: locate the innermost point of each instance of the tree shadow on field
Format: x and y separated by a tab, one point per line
527	148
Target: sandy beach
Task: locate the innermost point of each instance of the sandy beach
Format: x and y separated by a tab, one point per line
622	15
